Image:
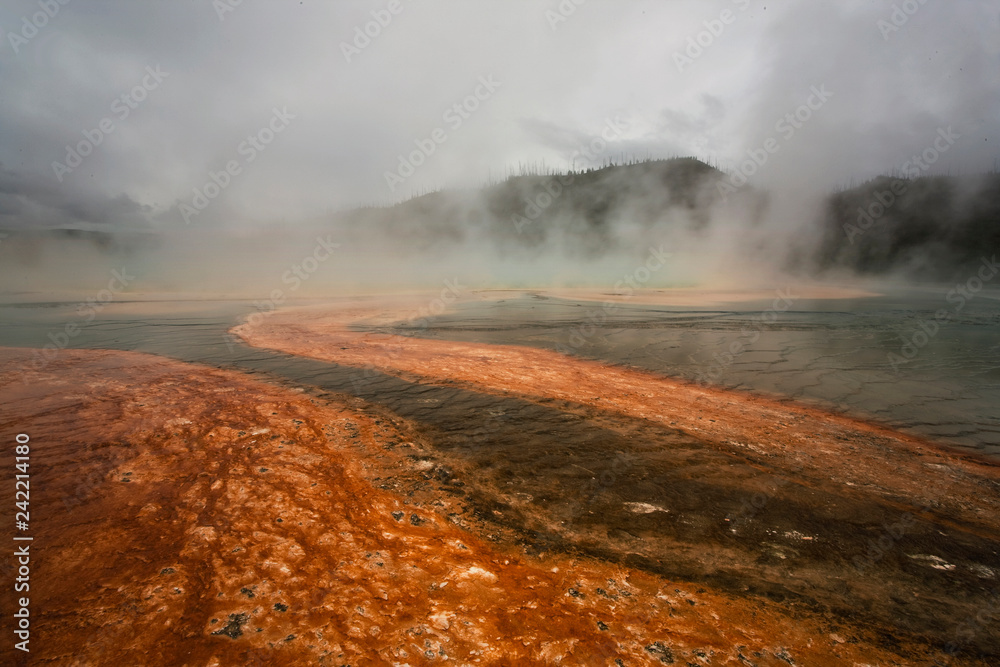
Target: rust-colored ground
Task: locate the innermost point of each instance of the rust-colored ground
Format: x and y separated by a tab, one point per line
849	481
189	516
819	447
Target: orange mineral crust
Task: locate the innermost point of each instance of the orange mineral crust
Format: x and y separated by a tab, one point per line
830	516
184	515
820	448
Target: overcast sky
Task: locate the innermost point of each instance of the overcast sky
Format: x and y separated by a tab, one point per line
339	110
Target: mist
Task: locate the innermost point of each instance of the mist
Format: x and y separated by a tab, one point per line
261	148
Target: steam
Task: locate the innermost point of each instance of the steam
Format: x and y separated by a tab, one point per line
555	89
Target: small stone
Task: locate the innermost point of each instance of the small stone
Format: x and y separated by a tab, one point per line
441	620
660	651
234	628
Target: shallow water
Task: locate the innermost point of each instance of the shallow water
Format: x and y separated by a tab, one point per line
830	353
567	477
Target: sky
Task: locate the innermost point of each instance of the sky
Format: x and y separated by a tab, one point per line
241	114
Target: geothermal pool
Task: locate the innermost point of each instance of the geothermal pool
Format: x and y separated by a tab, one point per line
848	355
831	353
560	476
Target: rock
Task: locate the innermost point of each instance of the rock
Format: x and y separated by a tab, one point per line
441	620
657	649
234	628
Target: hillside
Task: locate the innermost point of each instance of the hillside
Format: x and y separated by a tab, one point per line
934	227
928	228
581	212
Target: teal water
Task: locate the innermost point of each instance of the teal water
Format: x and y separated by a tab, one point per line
913	360
566	478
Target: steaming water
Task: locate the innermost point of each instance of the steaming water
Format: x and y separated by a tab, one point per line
569	477
833	353
830	353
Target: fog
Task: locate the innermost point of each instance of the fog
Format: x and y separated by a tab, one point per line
237	150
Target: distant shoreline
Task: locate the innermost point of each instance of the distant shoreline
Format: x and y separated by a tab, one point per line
691	296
